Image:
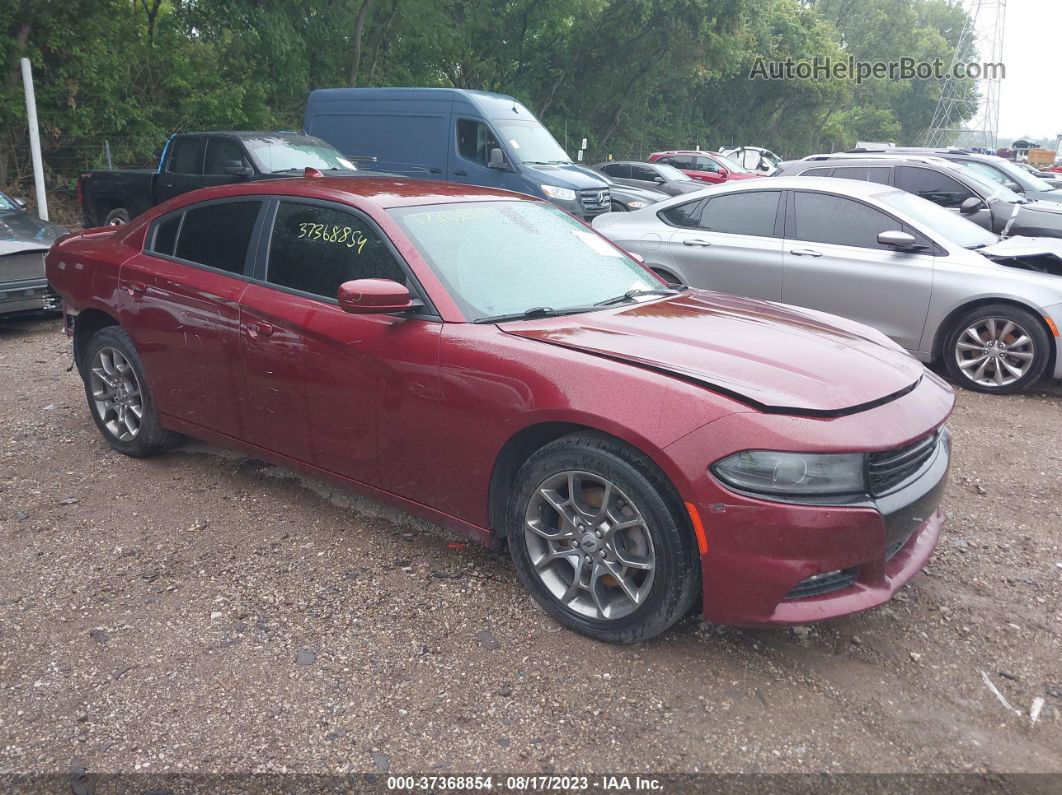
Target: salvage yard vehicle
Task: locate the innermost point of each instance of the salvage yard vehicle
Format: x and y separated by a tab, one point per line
201	160
470	137
486	361
942	287
710	167
626	198
24	240
953	187
653	176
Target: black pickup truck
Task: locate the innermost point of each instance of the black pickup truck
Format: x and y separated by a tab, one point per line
200	160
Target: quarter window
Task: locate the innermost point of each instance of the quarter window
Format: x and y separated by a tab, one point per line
187	156
475	140
166	236
685	215
314	249
937	187
750	213
843	222
217	235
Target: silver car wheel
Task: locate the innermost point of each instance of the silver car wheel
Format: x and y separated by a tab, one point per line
995	352
116	394
589	545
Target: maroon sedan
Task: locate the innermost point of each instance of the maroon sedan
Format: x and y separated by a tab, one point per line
486	361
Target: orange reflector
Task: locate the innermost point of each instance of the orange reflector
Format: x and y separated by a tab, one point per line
1051	325
698	528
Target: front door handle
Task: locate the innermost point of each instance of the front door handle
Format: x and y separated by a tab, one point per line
436	170
805	252
460	173
259	329
696	241
136	288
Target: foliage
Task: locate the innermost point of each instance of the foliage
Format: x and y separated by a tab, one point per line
631	76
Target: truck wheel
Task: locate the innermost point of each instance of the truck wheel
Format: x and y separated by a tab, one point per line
119	398
116	217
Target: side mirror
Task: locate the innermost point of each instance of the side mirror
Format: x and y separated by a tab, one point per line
20	202
898	239
374	297
238	169
497	159
971	206
659	180
1014	186
636	257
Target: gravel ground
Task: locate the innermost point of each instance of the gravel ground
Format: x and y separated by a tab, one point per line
205	612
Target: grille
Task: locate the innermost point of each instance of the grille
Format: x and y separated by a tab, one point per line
822	584
22	266
595	200
889	468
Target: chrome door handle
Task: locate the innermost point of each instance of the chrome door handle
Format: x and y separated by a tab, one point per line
696	241
136	288
460	173
805	252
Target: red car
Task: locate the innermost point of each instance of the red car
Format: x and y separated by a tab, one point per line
711	167
484	360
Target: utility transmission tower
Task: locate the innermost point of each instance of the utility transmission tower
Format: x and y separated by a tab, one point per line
981	42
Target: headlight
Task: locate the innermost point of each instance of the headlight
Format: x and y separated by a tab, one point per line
793	474
564	194
637	205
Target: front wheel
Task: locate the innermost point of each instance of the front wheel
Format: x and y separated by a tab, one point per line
616	207
997	348
599	542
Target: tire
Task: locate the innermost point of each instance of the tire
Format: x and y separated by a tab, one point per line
616	207
1013	354
628	604
115	388
116	217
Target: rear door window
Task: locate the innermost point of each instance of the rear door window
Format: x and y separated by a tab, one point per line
820	218
618	170
752	213
314	249
939	188
863	174
217	235
186	156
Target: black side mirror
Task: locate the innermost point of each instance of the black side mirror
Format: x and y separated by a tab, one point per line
971	206
497	159
237	168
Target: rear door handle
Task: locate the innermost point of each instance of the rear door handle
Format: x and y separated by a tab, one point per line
436	171
259	329
460	173
696	241
805	252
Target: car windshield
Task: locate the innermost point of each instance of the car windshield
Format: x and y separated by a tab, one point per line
945	223
530	142
294	154
6	203
671	173
508	257
993	188
1005	171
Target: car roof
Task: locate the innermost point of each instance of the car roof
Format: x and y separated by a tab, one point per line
849	187
382	192
687	152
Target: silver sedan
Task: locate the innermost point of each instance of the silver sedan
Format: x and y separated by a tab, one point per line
939	285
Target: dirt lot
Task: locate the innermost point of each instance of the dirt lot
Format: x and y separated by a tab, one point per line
202	611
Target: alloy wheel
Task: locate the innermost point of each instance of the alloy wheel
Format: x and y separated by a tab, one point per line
589	545
116	394
995	352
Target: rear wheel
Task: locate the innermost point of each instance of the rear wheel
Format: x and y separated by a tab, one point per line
116	217
599	542
997	348
119	398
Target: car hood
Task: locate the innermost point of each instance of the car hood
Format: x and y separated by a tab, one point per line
1024	247
20	231
629	192
564	175
776	358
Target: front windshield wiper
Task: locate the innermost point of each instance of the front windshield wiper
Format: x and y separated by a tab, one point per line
533	312
630	295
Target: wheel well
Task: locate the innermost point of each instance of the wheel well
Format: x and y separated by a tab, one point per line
88	322
949	322
526	442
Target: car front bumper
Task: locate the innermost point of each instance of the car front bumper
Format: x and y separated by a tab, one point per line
27	296
771	562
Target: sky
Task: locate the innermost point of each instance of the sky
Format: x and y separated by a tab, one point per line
1030	103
